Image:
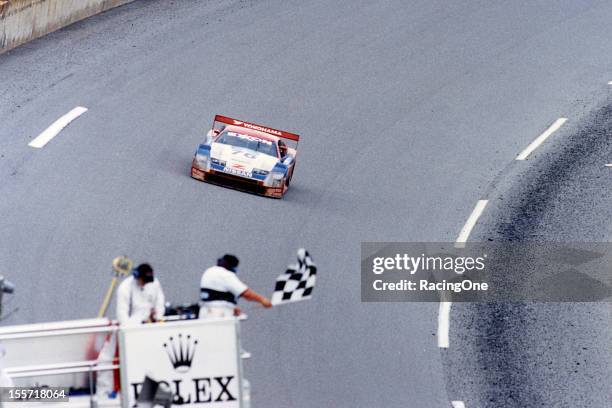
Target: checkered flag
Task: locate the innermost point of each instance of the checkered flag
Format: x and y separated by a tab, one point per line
297	282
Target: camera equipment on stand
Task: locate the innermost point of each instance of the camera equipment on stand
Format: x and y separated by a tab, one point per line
122	265
183	311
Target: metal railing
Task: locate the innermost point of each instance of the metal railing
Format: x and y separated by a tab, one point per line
79	332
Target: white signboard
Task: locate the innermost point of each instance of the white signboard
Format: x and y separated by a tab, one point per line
198	359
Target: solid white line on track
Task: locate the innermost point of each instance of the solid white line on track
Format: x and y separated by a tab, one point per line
470	223
608	165
443	324
457	404
57	126
610	83
540	139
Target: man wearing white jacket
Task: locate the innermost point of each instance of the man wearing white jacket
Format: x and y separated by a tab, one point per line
140	297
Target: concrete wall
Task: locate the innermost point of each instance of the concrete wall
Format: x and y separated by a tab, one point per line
24	20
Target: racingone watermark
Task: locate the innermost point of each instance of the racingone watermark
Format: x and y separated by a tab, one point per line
485	272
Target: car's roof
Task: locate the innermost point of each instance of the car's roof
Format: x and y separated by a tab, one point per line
251	132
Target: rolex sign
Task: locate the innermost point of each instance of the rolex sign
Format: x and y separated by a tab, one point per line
197	359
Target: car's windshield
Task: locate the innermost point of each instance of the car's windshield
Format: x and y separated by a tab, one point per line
248	142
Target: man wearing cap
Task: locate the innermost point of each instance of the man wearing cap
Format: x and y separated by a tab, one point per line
140	297
220	290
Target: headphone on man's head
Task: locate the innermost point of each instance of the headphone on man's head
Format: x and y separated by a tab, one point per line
144	271
229	262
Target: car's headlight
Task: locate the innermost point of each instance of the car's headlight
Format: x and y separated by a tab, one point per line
217	162
202	161
276	179
260	172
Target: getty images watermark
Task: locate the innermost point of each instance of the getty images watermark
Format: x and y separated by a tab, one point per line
414	264
485	272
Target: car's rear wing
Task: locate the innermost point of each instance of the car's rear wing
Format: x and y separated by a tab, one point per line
274	132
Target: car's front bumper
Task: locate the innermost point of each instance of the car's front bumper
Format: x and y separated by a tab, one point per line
235	182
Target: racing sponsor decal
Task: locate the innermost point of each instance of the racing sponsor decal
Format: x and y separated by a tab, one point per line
280	133
262	129
237	169
237	172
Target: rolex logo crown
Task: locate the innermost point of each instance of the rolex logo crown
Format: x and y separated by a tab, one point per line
181	351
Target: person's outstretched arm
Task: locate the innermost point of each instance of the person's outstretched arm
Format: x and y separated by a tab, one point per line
253	296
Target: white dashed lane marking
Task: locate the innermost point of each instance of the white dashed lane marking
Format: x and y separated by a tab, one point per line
443	324
457	404
445	306
540	139
470	223
45	137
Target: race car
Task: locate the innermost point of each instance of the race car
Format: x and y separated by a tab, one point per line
246	156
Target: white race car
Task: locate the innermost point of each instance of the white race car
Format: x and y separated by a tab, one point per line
247	157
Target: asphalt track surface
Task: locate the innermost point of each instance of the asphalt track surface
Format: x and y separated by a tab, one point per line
409	113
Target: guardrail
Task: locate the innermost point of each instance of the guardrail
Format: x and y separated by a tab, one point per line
57	354
88	367
40	350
